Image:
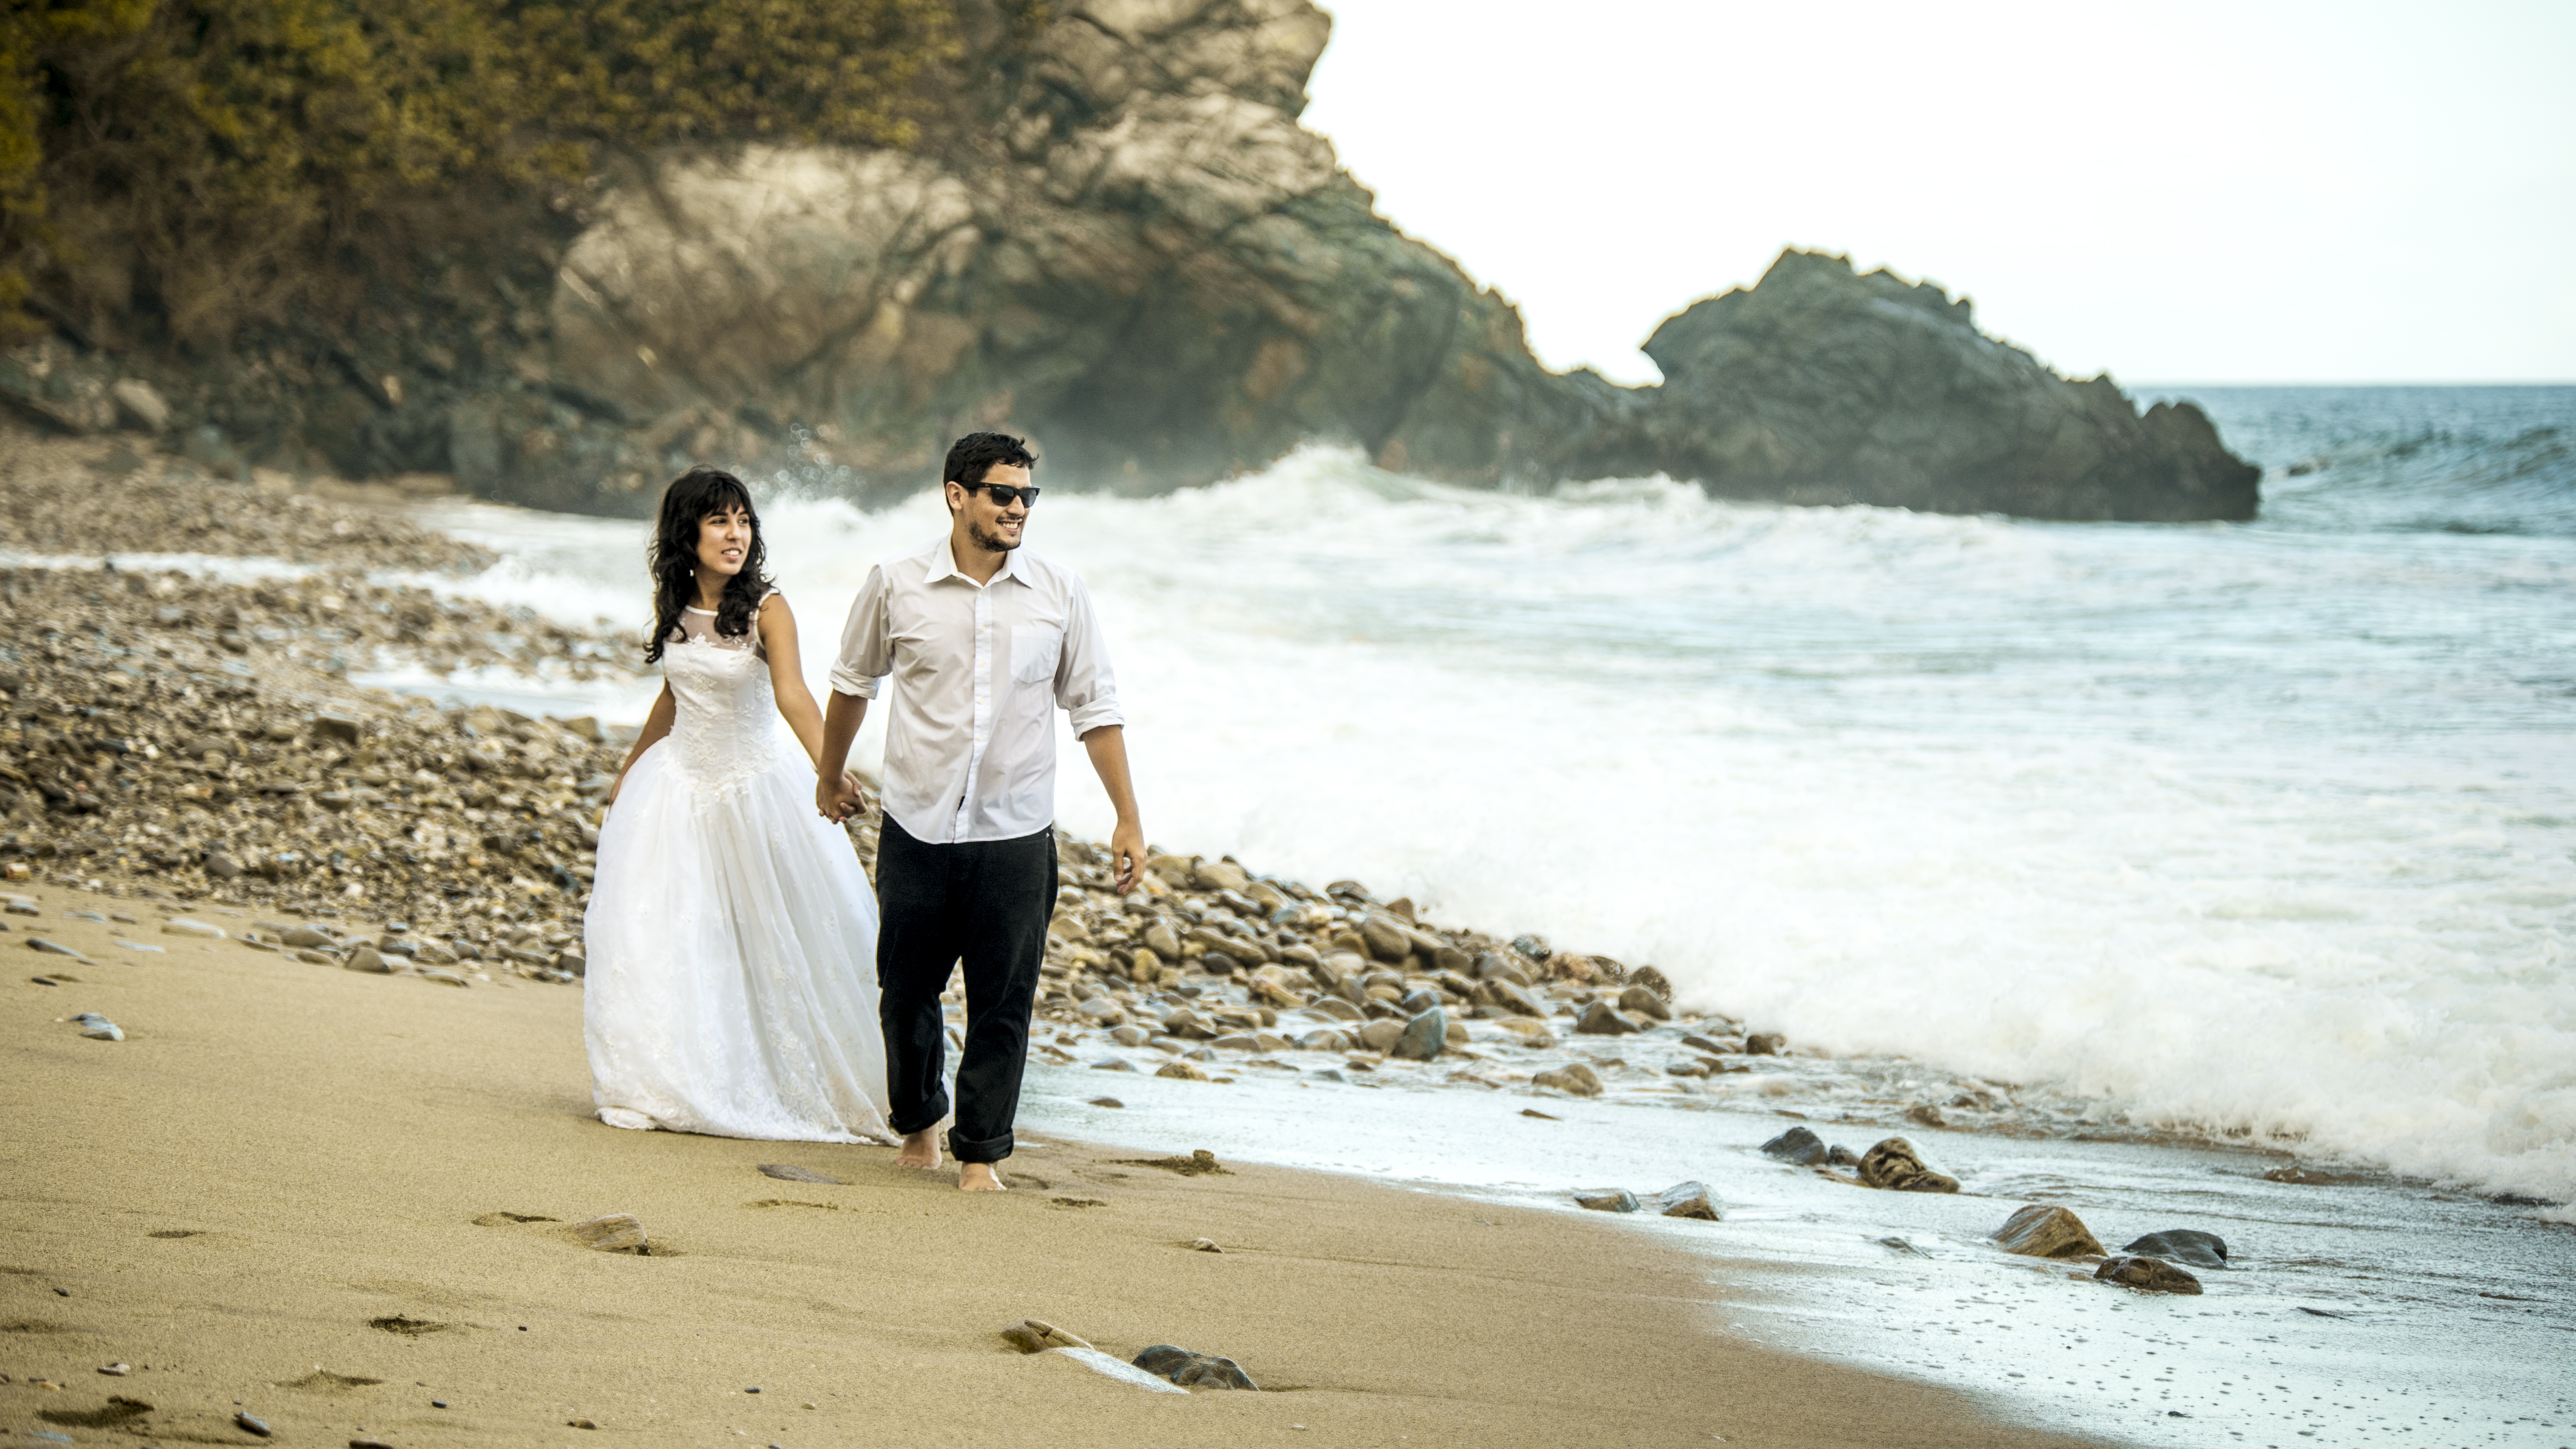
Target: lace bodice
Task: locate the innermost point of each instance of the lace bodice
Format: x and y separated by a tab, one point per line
726	730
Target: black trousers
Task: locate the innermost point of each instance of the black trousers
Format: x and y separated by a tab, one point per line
985	903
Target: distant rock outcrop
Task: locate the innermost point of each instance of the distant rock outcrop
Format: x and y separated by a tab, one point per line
1819	385
1123	243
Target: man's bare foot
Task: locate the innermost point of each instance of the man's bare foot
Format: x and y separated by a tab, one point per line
920	1149
979	1177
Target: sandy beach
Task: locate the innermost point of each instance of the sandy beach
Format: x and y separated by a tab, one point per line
328	1198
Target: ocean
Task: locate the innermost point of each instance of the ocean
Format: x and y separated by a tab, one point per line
2186	842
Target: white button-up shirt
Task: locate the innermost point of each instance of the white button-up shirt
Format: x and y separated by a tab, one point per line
978	671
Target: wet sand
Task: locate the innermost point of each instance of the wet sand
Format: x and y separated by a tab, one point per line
298	1191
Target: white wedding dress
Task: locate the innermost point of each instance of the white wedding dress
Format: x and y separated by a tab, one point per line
732	935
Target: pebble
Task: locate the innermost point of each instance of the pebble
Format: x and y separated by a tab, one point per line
1107	1102
1643	1001
1573	1078
1542	1116
1894	1166
1766	1044
790	1172
1113	1064
1205	1245
2147	1275
43	947
2183	1245
363	1442
1380	1035
1606	1199
1422	1037
252	1424
1798	1146
1130	1035
98	1028
1036	1335
116	1370
1183	1071
182	926
1690	1200
2044	1230
1600	1019
1192	1370
367	959
611	1233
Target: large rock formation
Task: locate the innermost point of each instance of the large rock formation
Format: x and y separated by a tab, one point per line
1125	244
1822	386
1142	258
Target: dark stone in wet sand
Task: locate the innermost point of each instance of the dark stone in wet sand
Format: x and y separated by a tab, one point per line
790	1172
1841	1156
1192	1370
2183	1245
1107	1102
2147	1275
1766	1044
1689	1200
1423	1036
2045	1231
1894	1166
1600	1019
1606	1199
1797	1146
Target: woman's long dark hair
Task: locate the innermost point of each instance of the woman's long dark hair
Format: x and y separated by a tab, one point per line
694	496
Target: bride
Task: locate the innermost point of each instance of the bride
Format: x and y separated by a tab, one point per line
732	936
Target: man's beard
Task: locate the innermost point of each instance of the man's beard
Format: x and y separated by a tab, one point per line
990	543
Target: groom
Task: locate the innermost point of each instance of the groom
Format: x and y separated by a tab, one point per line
984	642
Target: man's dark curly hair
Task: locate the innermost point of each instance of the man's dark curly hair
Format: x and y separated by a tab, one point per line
971	455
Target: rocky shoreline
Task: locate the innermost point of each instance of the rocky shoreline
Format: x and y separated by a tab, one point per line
168	735
197	744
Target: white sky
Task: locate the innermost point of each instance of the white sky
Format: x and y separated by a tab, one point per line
2206	192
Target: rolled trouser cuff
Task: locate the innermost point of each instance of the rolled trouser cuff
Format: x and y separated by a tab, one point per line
980	1149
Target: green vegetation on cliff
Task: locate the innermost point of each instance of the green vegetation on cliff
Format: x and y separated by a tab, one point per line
190	167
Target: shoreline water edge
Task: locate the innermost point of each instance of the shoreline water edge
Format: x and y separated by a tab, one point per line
204	742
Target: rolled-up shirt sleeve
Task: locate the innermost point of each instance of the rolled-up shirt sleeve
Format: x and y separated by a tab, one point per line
1085	686
867	654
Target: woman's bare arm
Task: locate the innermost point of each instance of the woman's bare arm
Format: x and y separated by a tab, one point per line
787	676
656	725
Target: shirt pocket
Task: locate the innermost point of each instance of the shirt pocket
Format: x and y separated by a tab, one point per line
1034	651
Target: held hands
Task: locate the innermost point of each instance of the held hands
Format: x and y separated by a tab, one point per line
838	799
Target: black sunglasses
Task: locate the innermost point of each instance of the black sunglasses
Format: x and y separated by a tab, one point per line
1004	494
